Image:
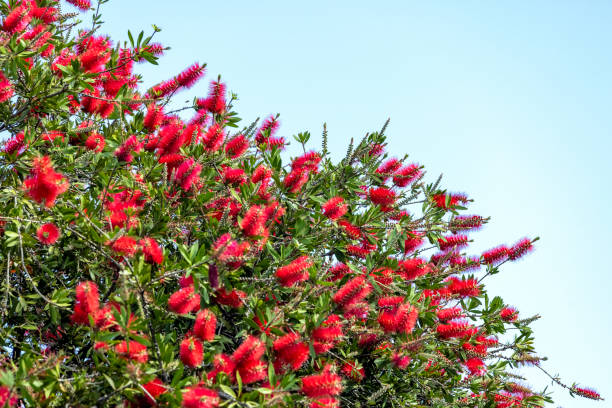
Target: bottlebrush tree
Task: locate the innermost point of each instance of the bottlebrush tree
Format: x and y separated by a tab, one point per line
154	256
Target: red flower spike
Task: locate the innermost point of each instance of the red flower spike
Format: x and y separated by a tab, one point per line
190	75
236	146
338	271
475	365
6	89
350	370
496	255
454	200
200	397
205	325
508	314
251	349
82	5
18	18
48	233
463	287
184	301
382	196
44	184
295	180
326	336
388	168
291	351
126	246
413	241
586	393
186	174
400	360
154	117
452	242
234	298
465	223
520	249
307	162
132	350
253	222
7	399
353	291
296	271
215	102
191	351
334	208
406	175
152	252
213	138
449	314
319	385
154	389
124	152
350	229
252	371
267	130
95	142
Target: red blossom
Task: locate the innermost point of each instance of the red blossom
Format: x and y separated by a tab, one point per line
452	242
236	146
319	385
508	314
82	5
496	255
6	88
198	396
48	233
152	252
191	351
291	351
205	325
382	196
406	175
125	245
184	301
132	350
215	102
296	271
520	249
326	336
44	184
334	208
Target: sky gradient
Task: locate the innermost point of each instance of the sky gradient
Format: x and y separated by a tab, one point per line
509	100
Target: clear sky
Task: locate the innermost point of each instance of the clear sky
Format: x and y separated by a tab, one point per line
509	99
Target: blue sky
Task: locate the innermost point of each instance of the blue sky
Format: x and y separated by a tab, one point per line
509	100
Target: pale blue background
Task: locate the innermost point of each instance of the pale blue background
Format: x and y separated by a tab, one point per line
509	99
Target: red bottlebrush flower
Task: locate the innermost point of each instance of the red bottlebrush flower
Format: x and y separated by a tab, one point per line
124	152
213	138
405	318
296	271
253	223
165	88
82	5
234	298
388	167
200	397
521	248
358	251
205	325
449	314
407	175
229	251
319	385
192	133
440	200
353	291
95	142
291	351
335	208
15	144
52	135
222	363
509	314
94	53
251	349
215	102
252	371
267	130
397	316
495	255
187	173
400	360
453	242
350	370
18	18
171	138
463	287
152	252
233	176
412	242
382	196
350	230
236	146
44	184
338	271
154	389
308	161
295	180
126	246
6	88
132	350
154	117
455	328
586	393
7	399
326	336
185	281
48	233
475	365
46	14
376	150
411	269
191	351
465	223
87	302
190	75
184	300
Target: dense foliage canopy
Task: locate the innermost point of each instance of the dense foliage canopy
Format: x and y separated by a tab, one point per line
153	256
